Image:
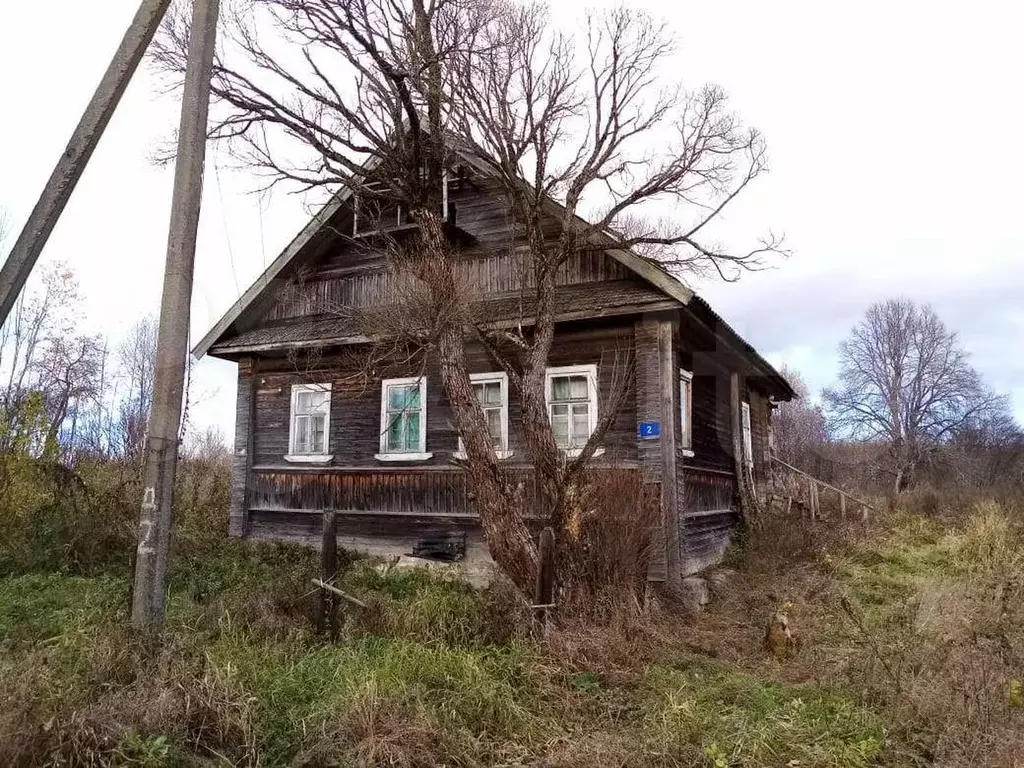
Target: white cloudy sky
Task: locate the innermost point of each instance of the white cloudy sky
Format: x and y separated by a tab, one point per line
892	129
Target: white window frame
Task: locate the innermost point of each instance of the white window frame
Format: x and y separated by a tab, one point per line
746	427
419	455
590	371
309	458
686	412
489	378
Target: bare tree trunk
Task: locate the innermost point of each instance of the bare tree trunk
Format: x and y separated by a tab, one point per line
498	503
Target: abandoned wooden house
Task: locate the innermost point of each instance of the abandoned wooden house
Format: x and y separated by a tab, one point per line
311	436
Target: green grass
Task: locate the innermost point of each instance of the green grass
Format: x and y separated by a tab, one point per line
733	719
421	680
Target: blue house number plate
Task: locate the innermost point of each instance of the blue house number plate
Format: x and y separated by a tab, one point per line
649	430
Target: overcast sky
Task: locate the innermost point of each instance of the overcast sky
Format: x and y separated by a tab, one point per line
893	132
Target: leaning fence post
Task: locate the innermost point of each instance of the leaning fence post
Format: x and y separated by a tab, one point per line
544	588
328	617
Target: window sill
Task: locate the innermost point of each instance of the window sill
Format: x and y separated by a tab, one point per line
572	453
502	455
403	456
309	458
688	453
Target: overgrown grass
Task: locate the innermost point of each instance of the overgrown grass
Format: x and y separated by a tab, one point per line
436	672
727	718
936	609
419	680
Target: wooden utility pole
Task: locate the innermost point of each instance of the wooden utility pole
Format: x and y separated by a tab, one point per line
328	618
156	516
69	168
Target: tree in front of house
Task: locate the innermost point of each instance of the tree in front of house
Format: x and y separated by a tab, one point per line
906	382
384	96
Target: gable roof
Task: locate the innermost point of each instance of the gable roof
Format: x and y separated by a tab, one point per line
668	287
646	269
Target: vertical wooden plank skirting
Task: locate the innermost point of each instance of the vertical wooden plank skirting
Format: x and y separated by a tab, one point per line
648	408
669	491
241	465
737	448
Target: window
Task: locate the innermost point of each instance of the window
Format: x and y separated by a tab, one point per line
491	391
403	417
686	411
748	444
374	211
309	436
572	405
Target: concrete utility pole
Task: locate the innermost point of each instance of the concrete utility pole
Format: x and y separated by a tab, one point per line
156	517
68	171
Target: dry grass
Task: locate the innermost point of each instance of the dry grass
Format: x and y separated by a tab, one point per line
918	668
918	614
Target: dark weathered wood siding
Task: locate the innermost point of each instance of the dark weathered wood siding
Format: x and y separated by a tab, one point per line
355	400
271	497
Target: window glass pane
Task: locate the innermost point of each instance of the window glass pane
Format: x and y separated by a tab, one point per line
412	431
412	397
560	388
317	436
492	393
580	425
494	425
311	402
559	410
403	396
302	434
478	392
578	387
560	428
394	437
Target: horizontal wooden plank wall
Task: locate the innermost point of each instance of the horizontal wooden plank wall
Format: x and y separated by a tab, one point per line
355	401
404	491
491	274
396	503
710	517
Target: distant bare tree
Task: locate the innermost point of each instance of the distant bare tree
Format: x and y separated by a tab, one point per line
208	445
987	451
905	379
68	376
382	95
136	361
45	315
799	426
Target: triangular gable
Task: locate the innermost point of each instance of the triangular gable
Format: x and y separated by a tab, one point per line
644	268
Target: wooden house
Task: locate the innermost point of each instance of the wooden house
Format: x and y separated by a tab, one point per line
310	435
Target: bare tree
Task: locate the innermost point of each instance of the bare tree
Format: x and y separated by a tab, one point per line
137	361
905	380
387	95
68	376
799	426
45	314
986	452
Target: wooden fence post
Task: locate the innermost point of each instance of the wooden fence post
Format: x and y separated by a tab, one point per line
328	617
544	589
842	506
